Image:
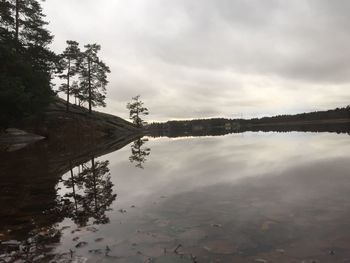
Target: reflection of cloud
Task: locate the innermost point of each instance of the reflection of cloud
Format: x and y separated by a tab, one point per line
184	165
188	58
302	204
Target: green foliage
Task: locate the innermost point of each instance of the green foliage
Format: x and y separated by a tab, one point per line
93	77
27	64
136	111
69	64
23	90
6	18
75	91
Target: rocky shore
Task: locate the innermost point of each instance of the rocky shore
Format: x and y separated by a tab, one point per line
75	126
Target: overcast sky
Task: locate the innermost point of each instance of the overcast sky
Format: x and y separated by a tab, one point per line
209	58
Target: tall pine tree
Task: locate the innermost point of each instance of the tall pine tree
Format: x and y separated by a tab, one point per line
70	64
93	77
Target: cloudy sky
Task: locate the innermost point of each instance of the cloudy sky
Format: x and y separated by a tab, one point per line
208	58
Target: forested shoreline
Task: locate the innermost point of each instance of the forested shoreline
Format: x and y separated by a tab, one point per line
29	67
333	120
29	70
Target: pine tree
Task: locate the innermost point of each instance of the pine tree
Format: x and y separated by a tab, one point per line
25	20
27	64
137	111
70	64
75	92
6	18
35	37
93	77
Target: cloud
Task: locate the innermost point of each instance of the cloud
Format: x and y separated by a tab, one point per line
191	58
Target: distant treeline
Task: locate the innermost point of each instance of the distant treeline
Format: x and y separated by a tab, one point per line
335	114
198	127
337	120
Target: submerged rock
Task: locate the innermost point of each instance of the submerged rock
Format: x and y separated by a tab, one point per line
15	139
220	247
173	259
11	243
16	136
81	244
96	251
64	259
92	229
37	258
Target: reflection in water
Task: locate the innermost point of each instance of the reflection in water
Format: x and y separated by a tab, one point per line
88	194
31	206
253	198
211	128
139	153
91	193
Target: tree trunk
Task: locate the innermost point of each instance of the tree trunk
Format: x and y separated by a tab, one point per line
68	76
90	95
138	118
73	188
94	182
138	124
17	25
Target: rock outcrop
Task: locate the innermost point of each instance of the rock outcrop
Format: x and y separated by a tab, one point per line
58	124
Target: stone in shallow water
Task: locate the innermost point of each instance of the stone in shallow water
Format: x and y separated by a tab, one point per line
173	259
7	259
192	234
280	250
66	259
220	247
37	258
81	244
11	243
92	229
96	251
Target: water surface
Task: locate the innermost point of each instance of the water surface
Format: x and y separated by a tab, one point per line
251	197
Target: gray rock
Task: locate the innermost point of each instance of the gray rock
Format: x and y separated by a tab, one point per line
81	244
11	243
37	258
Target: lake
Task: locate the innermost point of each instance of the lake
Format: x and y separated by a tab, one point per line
244	197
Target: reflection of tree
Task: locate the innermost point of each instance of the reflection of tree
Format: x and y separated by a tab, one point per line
139	153
98	190
91	193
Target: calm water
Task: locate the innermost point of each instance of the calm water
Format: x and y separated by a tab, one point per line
251	197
